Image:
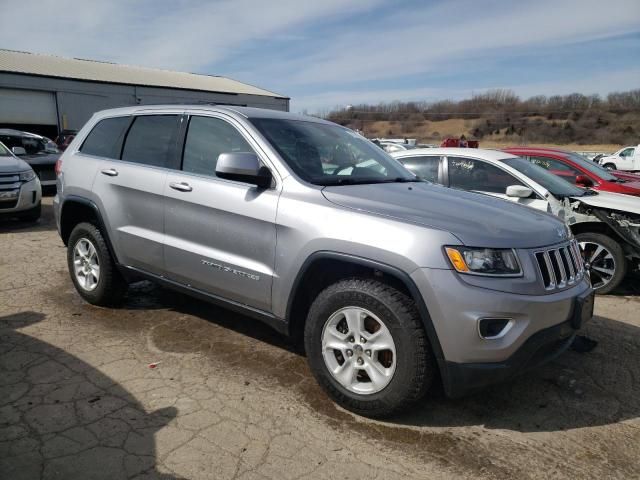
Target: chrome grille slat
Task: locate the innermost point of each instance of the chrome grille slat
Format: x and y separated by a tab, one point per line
560	267
563	274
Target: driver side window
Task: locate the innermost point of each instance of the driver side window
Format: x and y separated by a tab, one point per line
207	138
473	174
627	152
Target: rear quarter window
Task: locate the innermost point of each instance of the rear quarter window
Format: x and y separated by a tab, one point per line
105	140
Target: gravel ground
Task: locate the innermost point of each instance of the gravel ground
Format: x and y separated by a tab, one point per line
232	399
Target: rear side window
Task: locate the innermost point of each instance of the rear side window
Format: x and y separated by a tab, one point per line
207	138
105	140
151	140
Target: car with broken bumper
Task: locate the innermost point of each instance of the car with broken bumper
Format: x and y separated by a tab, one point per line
606	225
391	283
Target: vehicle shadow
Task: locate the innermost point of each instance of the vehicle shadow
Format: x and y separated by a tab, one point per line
62	418
44	223
576	390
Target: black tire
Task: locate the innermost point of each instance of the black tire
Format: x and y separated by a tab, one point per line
617	253
610	166
31	215
110	287
415	365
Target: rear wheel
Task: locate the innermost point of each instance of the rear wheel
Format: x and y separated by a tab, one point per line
367	347
606	258
610	166
92	269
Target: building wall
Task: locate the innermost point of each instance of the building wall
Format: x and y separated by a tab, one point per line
77	100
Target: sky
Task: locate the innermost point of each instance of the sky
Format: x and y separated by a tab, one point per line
332	53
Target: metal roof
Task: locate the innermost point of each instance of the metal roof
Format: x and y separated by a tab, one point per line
79	69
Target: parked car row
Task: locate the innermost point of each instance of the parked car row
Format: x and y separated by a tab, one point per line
606	224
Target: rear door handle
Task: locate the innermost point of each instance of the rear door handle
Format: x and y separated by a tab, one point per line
110	172
181	187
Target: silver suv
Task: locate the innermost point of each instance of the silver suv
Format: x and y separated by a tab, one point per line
390	281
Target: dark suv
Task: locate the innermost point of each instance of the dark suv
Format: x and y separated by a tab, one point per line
39	152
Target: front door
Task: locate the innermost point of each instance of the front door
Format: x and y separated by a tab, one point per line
478	176
220	235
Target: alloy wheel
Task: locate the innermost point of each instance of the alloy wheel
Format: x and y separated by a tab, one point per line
358	350
601	261
86	264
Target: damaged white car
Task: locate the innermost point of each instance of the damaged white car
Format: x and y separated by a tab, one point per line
607	225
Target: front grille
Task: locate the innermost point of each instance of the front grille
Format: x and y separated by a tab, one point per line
9	190
560	267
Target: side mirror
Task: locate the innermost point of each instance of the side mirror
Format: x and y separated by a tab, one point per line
18	151
518	191
584	181
243	167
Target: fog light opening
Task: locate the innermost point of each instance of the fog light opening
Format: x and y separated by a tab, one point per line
493	328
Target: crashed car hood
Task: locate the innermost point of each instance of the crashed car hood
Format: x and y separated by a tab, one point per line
12	165
612	201
477	220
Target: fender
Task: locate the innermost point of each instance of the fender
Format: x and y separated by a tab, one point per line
404	277
98	214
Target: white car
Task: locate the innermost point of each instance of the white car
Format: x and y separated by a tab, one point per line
627	158
607	225
20	190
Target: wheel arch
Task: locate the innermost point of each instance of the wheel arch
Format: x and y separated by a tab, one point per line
323	268
75	210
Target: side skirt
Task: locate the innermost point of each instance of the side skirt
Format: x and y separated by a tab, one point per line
278	324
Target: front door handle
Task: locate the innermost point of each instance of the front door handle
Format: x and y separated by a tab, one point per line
110	172
181	187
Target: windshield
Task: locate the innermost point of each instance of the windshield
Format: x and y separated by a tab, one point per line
592	167
556	185
325	154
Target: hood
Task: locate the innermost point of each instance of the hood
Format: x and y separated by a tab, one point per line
477	220
41	158
612	201
13	164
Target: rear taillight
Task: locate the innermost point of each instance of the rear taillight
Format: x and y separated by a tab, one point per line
58	167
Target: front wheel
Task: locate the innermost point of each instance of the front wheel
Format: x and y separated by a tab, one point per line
610	166
367	348
606	258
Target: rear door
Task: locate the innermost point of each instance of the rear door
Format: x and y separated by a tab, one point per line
220	234
130	189
479	176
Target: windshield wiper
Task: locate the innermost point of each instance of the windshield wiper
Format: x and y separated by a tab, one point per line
365	181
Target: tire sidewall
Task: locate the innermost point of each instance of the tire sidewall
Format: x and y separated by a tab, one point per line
323	308
89	232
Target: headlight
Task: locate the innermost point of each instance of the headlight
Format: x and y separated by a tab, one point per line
484	261
27	176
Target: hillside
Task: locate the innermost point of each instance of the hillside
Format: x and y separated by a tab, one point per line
500	118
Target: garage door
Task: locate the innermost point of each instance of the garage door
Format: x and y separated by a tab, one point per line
27	107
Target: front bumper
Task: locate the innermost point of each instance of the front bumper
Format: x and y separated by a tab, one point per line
29	195
541	328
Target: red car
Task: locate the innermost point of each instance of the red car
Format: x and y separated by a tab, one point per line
578	170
